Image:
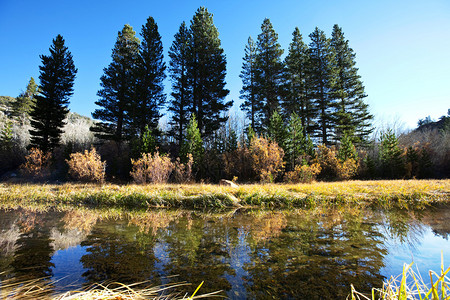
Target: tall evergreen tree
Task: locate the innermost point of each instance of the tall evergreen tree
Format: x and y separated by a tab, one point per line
277	130
57	75
207	74
150	74
296	75
322	77
248	93
180	103
298	145
269	71
117	92
24	103
351	114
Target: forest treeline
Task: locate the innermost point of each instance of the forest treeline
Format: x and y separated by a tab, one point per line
305	115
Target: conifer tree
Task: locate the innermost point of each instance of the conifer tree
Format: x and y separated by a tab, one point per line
351	114
323	73
391	155
180	102
248	93
298	145
150	74
194	143
296	76
57	75
207	74
117	92
346	149
277	130
24	103
269	71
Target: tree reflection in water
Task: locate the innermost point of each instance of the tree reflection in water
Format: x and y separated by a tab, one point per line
308	254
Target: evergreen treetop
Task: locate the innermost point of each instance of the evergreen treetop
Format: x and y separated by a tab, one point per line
180	103
57	75
207	73
269	71
150	74
322	79
117	93
351	114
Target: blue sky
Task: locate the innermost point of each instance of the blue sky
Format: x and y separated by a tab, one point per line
402	47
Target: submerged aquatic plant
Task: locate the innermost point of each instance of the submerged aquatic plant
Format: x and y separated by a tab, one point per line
410	285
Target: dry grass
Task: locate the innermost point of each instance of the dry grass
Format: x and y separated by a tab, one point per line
386	193
410	285
42	289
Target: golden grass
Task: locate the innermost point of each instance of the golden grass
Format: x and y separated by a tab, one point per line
42	289
410	285
386	193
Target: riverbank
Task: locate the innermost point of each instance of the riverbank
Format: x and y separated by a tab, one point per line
383	193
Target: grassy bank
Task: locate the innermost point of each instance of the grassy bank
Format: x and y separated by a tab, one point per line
403	193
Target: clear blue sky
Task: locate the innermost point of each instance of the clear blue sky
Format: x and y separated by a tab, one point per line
402	47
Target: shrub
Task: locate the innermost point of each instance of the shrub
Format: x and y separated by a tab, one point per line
183	172
154	169
37	164
332	167
238	163
87	166
304	173
267	158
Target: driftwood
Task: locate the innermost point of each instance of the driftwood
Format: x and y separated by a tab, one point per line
228	183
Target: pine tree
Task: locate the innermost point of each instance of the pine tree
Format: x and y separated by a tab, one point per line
322	74
57	75
277	130
352	114
251	103
180	103
346	149
269	71
207	74
194	143
391	155
150	74
117	93
298	145
296	75
24	103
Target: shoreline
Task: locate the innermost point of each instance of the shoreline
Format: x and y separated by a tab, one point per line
381	193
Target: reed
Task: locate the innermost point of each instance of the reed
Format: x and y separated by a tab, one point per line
410	285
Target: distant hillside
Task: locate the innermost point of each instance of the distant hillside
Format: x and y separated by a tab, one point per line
6	103
427	124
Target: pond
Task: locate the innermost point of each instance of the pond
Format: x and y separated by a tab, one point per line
253	254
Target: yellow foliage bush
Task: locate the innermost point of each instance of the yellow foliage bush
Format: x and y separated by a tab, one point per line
87	166
183	172
332	167
154	169
304	173
37	164
267	158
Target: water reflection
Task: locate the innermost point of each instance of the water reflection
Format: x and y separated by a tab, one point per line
247	254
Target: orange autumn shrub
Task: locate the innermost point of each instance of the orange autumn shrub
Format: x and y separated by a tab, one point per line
303	173
151	169
87	166
37	164
267	158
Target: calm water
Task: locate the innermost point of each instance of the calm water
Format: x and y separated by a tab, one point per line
247	254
